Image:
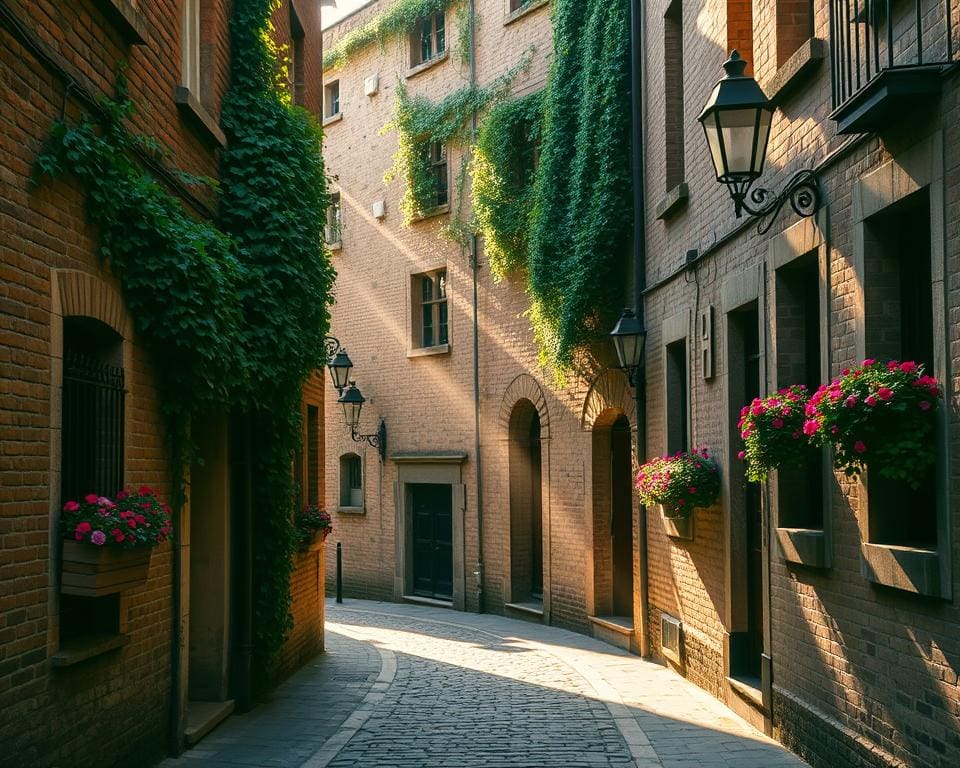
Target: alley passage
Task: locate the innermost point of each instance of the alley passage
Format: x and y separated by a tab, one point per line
411	687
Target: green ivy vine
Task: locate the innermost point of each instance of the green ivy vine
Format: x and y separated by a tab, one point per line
582	212
419	122
234	316
503	181
396	20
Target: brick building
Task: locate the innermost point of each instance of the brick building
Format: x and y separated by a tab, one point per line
108	680
824	623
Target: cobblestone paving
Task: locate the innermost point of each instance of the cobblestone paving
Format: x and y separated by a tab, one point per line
414	687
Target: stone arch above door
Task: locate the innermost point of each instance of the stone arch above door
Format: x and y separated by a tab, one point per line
81	294
609	392
525	387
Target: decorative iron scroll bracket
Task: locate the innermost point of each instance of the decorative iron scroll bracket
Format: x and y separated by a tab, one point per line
802	191
377	440
330	346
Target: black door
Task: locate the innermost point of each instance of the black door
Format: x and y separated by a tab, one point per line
432	540
754	518
621	523
536	513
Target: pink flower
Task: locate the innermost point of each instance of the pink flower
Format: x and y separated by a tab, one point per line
908	367
121	495
71	506
884	393
860	447
870	400
796	434
778	423
145	490
742	455
692	489
103	501
892	365
787	411
810	426
850	401
98	538
745	410
845	372
869	361
759	409
834	429
810	409
90	498
132	523
83	527
925	405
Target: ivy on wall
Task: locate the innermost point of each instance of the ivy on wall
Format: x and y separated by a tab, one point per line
396	20
503	180
419	122
582	212
234	316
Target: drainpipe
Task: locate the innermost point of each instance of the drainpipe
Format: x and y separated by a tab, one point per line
475	268
637	106
176	634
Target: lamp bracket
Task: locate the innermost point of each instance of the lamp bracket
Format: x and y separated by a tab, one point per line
330	346
377	440
802	191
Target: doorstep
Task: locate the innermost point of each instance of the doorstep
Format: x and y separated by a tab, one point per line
418	600
203	717
528	610
614	630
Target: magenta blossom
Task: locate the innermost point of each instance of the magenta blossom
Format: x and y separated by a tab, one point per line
860	446
98	538
885	393
810	426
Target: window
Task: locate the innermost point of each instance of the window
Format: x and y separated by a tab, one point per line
800	494
428	40
297	75
331	99
190	42
673	93
437	160
351	481
676	370
333	230
431	296
516	5
898	324
313	454
526	138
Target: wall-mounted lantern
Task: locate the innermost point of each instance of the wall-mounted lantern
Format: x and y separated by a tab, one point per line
630	338
352	401
736	121
338	363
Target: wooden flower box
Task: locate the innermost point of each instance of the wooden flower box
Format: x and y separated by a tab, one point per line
93	571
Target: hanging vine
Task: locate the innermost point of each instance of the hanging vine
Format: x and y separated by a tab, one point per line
502	171
234	316
582	212
397	19
419	123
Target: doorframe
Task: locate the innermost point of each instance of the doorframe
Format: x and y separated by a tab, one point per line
436	469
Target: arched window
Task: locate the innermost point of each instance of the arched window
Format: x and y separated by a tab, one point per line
351	481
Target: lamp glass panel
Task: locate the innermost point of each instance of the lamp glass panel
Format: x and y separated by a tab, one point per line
737	134
351	413
763	134
627	350
713	142
339	374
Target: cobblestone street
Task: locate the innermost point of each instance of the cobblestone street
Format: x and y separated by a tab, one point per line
413	687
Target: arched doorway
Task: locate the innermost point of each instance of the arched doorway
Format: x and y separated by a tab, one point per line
612	516
526	505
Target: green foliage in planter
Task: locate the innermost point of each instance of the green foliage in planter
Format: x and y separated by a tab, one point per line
503	196
881	416
582	215
772	432
420	122
680	483
234	316
396	20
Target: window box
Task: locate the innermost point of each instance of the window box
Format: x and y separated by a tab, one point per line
190	106
678	527
906	568
804	546
93	571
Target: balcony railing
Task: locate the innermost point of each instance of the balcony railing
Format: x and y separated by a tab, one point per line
885	51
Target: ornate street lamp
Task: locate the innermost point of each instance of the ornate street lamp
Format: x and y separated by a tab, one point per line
338	363
629	337
736	121
352	401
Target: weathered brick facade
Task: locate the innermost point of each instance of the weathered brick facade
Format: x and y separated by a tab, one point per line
82	704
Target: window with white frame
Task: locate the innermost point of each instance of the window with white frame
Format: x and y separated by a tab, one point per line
331	99
190	47
351	481
428	40
430	324
333	229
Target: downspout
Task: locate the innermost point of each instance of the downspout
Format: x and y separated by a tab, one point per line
638	106
176	635
475	268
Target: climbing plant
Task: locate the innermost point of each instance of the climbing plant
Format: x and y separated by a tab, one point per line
234	316
502	171
420	122
582	211
396	20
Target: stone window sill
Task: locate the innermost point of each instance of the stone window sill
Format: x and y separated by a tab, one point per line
797	69
352	510
190	106
438	211
128	19
439	349
673	202
335	246
331	119
905	568
524	11
416	70
804	546
86	647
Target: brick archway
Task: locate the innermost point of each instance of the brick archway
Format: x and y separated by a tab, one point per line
524	387
81	294
609	394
